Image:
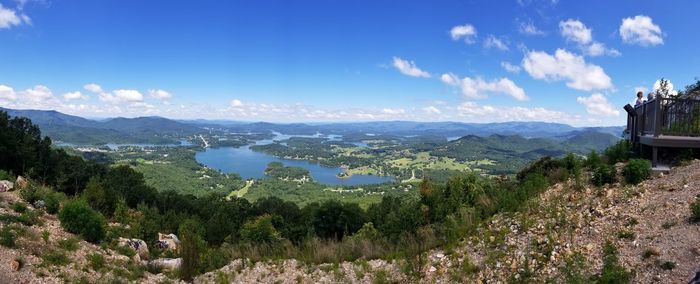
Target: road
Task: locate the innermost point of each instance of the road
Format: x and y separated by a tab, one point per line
206	144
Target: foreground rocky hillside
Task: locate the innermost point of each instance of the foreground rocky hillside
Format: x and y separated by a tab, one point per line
558	237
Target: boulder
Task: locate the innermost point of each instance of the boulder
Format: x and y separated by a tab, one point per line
137	245
168	242
21	183
15	265
5	185
166	264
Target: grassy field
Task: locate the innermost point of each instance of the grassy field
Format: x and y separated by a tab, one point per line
423	160
241	192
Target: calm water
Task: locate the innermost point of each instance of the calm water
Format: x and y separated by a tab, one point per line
251	164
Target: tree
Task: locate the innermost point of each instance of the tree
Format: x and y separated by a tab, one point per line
191	246
260	230
128	183
334	219
99	197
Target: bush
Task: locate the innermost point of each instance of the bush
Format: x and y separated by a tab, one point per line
7	238
19	207
69	244
593	160
78	218
5	176
55	257
604	174
636	171
695	210
52	203
619	152
613	271
97	261
260	230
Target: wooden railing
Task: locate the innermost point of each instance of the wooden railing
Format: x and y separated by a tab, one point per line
665	116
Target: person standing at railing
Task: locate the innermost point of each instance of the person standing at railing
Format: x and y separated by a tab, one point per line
640	99
650	96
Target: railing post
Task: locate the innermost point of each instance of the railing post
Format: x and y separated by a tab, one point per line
657	117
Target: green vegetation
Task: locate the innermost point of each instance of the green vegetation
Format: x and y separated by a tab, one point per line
604	174
77	217
695	210
401	221
7	237
636	171
277	170
613	271
54	258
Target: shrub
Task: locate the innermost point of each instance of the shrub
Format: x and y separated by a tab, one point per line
7	237
636	171
260	230
96	261
668	265
604	174
695	210
52	203
613	271
619	152
30	194
5	175
45	236
19	207
69	244
55	257
78	218
593	160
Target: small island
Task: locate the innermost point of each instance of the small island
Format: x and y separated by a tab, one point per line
345	173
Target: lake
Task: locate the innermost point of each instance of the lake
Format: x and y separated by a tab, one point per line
250	164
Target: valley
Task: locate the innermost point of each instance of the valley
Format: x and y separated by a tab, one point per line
353	162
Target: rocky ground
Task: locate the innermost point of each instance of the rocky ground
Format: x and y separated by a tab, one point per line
648	223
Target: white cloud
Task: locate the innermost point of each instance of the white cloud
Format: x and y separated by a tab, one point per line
74	96
236	103
466	32
409	68
530	29
478	88
94	88
641	30
39	93
7	93
576	31
9	18
128	95
494	42
510	67
567	66
597	104
598	49
159	94
489	113
393	111
431	110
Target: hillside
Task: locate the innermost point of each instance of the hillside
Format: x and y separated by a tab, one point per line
560	238
78	130
513	152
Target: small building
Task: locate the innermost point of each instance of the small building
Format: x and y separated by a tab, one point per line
663	123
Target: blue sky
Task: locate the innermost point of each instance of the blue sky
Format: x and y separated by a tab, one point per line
575	62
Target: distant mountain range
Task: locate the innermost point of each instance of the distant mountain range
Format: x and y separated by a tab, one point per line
159	130
78	130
